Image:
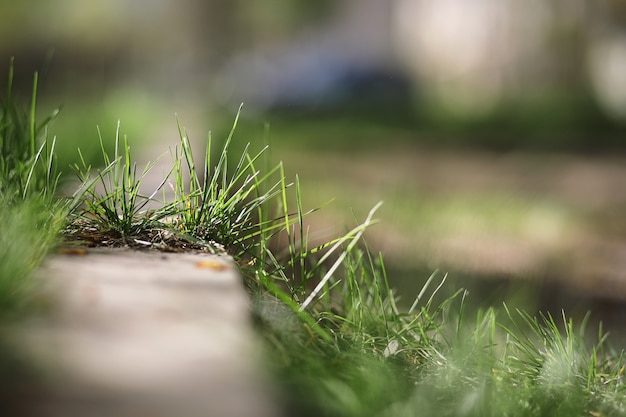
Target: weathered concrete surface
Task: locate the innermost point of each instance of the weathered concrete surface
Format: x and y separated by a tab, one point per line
149	334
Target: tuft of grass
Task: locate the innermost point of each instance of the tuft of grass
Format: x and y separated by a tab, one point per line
216	203
113	199
210	206
31	216
27	165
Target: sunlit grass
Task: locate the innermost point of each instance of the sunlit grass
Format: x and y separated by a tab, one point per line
219	202
334	334
31	217
112	197
440	357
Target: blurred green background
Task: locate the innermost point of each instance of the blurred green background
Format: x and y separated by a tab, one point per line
492	129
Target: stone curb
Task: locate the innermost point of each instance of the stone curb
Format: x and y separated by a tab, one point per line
150	334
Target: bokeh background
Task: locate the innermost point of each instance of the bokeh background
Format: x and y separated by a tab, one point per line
494	130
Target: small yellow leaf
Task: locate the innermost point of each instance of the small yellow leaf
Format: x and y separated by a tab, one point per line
72	251
211	264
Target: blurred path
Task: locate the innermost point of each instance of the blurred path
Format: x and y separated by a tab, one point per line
146	334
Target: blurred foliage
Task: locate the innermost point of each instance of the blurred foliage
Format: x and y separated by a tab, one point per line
115	70
273	15
567	122
82	117
562	121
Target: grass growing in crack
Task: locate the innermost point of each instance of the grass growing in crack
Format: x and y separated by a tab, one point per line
212	206
218	204
113	199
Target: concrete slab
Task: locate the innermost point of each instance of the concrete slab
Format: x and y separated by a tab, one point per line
151	334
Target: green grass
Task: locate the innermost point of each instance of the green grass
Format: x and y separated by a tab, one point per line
31	217
219	203
118	205
333	333
438	358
